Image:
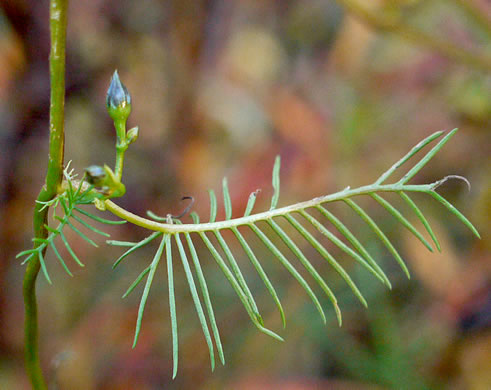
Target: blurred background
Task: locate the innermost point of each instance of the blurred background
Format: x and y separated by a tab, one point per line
341	90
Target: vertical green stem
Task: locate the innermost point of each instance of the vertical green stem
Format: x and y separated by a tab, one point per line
121	146
58	11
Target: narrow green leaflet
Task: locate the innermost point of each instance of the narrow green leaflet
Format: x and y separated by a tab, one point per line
276	183
137	281
206	296
414	170
148	284
455	212
331	260
309	267
238	274
250	203
70	250
97	218
260	271
138	245
196	300
410	154
341	245
62	262
397	215
355	242
227	201
213	206
370	222
242	296
90	227
172	305
284	261
421	217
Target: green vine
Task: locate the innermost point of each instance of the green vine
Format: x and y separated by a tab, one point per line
58	21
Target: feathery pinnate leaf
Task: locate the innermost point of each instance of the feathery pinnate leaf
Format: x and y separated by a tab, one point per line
171	228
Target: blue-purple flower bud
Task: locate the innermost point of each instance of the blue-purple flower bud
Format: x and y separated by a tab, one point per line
118	99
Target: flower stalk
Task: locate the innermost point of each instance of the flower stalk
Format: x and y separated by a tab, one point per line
118	103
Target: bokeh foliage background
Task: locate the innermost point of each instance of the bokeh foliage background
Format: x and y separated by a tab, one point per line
219	88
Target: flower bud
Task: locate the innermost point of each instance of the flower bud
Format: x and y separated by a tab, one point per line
132	135
96	175
104	178
118	99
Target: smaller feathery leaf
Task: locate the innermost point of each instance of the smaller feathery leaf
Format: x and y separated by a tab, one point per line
68	199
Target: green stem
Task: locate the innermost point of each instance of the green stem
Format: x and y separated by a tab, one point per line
58	11
121	146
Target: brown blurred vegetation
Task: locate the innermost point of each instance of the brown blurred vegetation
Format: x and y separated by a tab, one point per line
219	88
